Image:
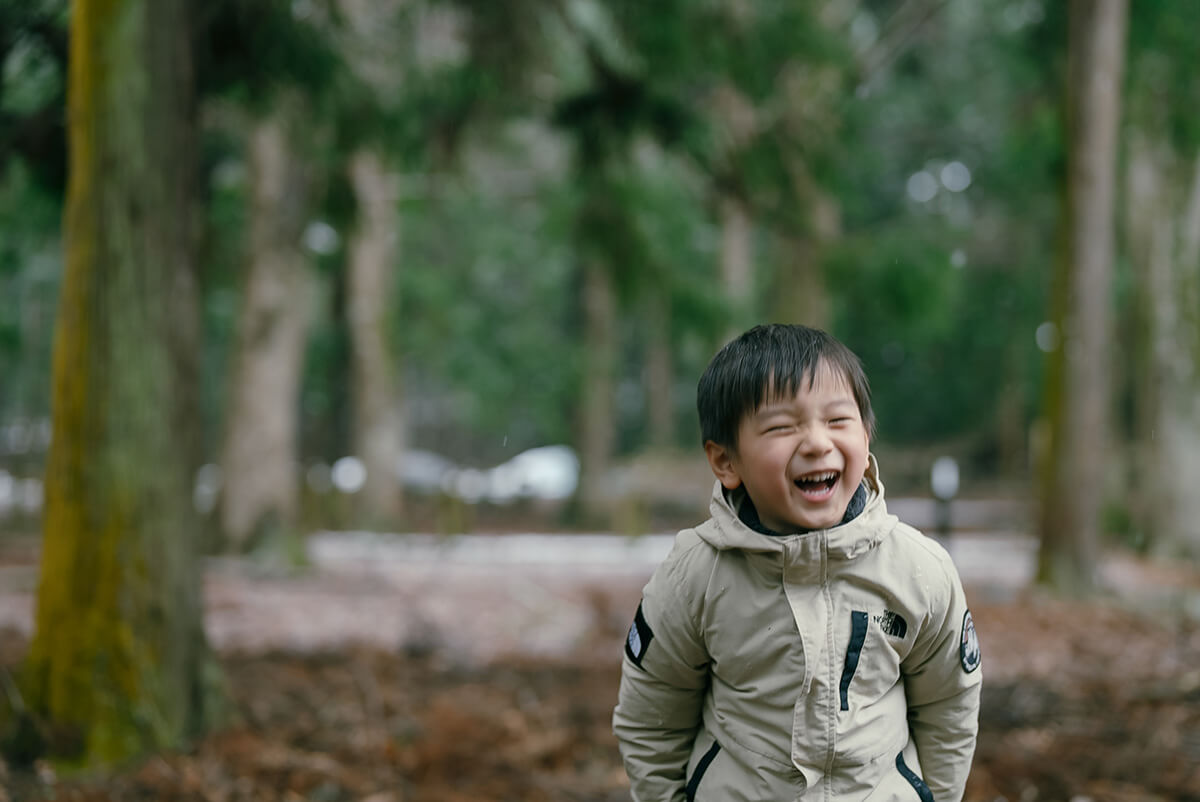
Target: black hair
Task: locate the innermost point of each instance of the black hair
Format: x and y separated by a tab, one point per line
772	359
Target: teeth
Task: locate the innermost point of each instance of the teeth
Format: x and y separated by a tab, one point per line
820	477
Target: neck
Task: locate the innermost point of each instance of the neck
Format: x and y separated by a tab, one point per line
748	513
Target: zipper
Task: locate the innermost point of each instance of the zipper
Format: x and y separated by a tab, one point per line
858	636
831	728
915	781
701	767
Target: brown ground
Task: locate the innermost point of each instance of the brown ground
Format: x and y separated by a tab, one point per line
1095	701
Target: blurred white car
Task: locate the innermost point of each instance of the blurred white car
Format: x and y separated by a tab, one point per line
549	473
424	471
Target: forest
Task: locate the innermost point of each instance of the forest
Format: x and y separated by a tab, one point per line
349	350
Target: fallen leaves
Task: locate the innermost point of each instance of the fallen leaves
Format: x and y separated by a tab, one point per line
1094	701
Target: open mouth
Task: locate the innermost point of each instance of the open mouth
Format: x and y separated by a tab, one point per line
818	485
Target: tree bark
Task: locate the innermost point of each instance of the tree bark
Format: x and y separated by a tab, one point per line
801	295
597	406
378	430
1163	219
659	372
737	263
260	492
1074	482
118	661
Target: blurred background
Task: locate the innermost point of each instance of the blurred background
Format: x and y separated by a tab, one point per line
435	236
454	267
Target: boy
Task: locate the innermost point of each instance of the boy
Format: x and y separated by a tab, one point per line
802	643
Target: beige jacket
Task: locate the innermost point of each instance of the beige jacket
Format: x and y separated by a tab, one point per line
840	664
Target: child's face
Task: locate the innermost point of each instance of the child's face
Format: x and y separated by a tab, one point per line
801	459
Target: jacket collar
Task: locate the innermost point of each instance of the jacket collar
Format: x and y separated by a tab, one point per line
845	540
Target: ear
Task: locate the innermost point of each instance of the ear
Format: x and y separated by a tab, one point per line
720	459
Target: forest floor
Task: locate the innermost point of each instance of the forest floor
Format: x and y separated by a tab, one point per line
396	675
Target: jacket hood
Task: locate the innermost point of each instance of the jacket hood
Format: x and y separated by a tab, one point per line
847	540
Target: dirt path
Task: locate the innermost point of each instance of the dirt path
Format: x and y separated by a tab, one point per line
484	596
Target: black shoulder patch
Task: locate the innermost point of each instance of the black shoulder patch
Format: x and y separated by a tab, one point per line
639	638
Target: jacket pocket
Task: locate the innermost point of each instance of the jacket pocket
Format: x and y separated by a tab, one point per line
915	781
701	767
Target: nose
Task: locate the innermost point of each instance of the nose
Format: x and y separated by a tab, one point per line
816	441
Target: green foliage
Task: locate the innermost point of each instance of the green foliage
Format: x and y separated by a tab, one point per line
222	262
250	50
482	320
944	344
33	62
1164	70
30	263
32	77
542	133
926	330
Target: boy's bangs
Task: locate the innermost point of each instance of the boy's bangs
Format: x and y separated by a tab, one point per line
769	364
784	381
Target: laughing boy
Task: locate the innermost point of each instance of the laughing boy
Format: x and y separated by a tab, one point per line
802	643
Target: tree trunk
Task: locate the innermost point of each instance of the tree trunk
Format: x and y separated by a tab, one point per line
259	459
737	263
1163	214
801	295
118	660
659	372
372	259
1074	482
597	408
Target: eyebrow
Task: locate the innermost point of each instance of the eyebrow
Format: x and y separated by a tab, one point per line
783	407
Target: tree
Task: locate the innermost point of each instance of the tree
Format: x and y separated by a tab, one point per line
379	78
605	121
118	662
264	67
1079	384
371	260
260	495
1162	219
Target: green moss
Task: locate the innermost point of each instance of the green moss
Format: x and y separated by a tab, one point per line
115	666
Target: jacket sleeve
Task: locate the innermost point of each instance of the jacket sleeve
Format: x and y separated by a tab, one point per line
664	678
943	677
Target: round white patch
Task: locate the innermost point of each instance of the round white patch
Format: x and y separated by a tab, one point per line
968	649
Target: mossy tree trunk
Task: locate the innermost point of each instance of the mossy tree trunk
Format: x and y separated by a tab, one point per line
260	452
1080	396
118	659
371	266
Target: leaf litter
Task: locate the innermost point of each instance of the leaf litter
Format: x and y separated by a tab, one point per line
1083	701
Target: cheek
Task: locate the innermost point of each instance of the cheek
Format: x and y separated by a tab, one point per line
772	462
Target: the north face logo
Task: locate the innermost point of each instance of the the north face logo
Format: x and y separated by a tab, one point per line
892	624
